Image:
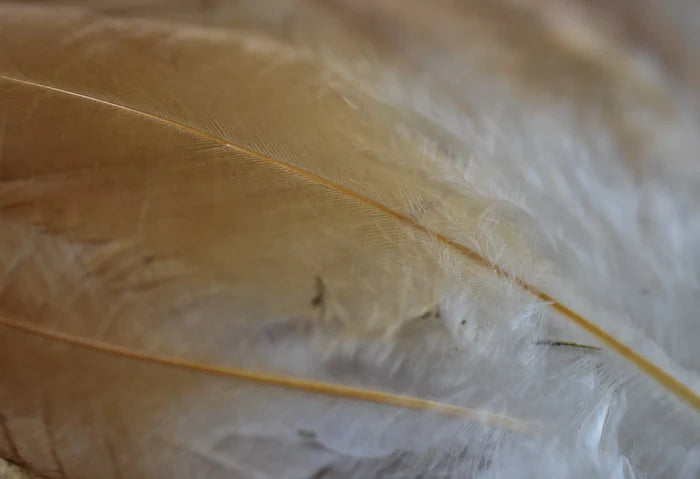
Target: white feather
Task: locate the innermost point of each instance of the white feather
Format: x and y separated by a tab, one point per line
534	178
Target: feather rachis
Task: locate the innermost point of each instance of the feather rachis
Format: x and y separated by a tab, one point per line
676	387
317	387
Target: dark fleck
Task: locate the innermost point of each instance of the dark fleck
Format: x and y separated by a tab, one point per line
431	313
305	433
551	342
321	473
319	299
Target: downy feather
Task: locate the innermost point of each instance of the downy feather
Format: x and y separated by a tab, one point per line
340	239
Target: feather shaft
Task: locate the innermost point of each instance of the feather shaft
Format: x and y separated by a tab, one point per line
318	387
666	380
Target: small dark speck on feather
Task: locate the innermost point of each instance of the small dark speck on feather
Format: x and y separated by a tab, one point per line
305	433
550	342
318	300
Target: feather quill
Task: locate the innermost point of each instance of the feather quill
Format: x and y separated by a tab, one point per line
215	200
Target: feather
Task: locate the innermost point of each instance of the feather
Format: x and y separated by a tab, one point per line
231	250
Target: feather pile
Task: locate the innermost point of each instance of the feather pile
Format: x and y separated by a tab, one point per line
348	239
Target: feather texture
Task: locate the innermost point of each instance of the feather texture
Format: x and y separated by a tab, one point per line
234	252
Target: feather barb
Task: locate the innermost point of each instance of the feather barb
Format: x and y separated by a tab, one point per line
672	384
300	384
